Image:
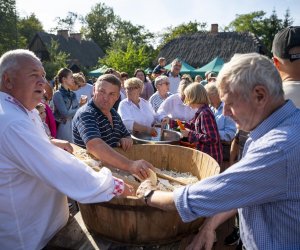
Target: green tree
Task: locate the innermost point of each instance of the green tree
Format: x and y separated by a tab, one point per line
105	28
263	27
66	23
8	26
57	60
183	29
288	21
27	28
100	25
125	31
135	56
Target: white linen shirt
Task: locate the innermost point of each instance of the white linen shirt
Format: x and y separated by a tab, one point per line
174	83
35	177
85	90
174	108
130	113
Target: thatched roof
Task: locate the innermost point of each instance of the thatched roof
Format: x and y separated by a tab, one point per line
200	48
83	52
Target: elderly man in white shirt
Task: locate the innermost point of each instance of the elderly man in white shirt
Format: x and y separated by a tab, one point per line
35	175
174	76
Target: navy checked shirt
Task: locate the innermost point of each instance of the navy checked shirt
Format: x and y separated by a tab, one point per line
89	123
204	132
264	185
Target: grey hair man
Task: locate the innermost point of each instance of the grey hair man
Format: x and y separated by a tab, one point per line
35	176
286	58
174	76
263	186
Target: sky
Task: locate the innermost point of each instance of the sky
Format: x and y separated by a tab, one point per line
155	15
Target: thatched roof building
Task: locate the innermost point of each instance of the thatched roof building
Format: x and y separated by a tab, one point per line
83	53
200	48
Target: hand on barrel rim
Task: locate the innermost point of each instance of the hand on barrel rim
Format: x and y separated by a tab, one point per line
140	169
145	186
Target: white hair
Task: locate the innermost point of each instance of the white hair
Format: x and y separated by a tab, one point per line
244	71
161	79
211	88
11	60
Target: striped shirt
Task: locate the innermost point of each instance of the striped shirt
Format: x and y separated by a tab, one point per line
264	185
156	99
89	123
204	132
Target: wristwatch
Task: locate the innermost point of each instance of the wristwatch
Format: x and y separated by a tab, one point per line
147	195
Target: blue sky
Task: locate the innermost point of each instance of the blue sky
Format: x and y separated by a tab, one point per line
156	15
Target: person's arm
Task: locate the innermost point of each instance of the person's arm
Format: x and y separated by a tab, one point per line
207	129
65	145
58	169
105	153
206	235
228	131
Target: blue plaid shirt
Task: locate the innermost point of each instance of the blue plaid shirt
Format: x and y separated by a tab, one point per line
264	185
89	123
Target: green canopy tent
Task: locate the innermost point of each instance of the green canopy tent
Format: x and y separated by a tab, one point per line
215	65
185	68
98	72
148	71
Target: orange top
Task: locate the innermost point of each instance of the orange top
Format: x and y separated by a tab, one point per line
180	124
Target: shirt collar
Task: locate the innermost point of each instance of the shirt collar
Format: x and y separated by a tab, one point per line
15	102
273	120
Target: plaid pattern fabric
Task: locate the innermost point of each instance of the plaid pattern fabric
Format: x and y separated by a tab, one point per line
119	186
204	132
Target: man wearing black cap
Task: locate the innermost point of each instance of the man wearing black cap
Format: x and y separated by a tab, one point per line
286	57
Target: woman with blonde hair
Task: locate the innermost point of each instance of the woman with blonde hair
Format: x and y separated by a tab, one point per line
202	129
137	114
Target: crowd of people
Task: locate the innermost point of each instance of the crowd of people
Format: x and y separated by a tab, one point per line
251	94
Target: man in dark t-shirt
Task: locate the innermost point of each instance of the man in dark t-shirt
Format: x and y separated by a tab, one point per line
98	127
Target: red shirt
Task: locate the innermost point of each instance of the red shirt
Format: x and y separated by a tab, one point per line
204	132
50	121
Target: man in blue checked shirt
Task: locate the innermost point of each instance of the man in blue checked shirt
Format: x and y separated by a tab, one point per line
264	185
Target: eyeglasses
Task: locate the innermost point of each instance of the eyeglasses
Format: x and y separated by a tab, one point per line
167	83
132	88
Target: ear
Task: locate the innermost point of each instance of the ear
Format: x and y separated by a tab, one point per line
6	81
276	62
260	95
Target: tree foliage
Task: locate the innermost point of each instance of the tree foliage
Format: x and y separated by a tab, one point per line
100	25
27	28
57	60
263	27
8	25
67	23
106	28
128	60
183	29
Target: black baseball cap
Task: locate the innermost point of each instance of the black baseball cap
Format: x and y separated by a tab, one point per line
285	40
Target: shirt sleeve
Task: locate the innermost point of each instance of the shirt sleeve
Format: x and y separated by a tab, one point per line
126	115
205	130
260	177
123	129
87	127
228	132
36	156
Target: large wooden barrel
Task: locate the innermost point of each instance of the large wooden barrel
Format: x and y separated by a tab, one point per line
129	220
